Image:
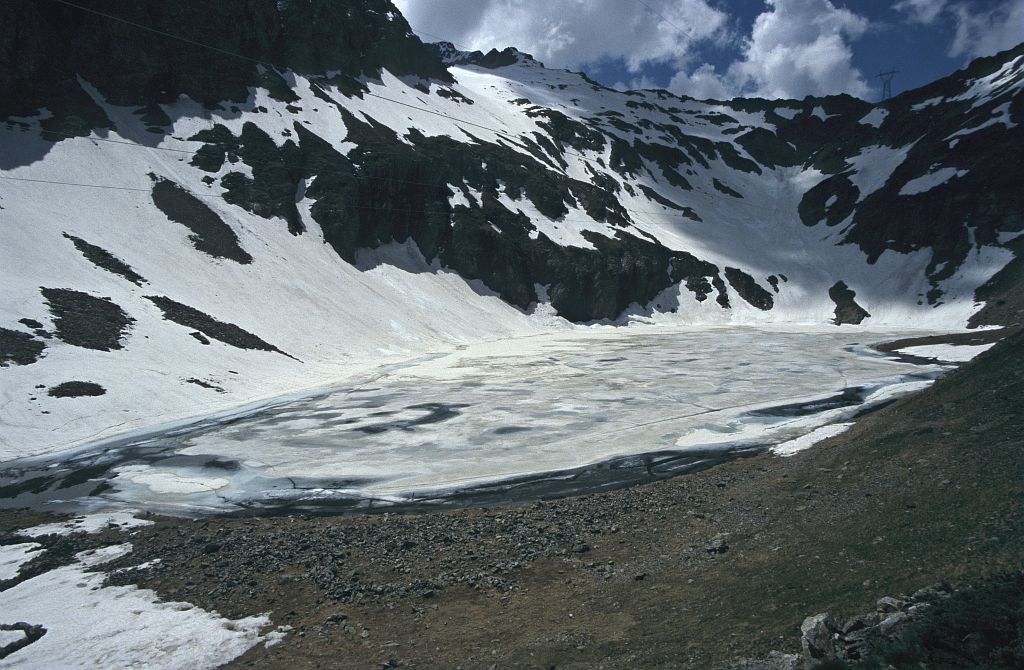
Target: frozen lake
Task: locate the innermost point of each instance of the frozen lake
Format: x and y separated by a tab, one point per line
509	420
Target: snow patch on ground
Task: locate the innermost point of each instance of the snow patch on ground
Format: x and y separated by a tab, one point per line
89	625
13	556
875	117
874	165
1000	114
819	112
807	441
952	353
87	523
927	103
929	181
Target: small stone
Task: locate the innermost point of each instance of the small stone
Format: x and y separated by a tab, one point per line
889	604
887	627
718	544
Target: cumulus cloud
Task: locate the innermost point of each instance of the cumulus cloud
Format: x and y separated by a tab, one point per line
569	33
796	48
983	33
801	47
704	82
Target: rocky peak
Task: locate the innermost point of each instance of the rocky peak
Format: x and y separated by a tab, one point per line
450	55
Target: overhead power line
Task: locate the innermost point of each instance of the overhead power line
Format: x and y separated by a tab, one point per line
70	183
273	164
662	17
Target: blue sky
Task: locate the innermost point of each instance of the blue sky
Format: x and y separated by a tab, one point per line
723	48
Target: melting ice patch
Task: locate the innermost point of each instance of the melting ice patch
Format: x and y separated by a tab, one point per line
87	523
501	411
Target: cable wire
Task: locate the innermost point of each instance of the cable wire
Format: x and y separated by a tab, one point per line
448	212
287	166
264	63
456	119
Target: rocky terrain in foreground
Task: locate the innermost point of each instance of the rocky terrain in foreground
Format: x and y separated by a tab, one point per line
697	571
935	627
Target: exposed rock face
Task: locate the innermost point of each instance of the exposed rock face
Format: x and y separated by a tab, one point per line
49	46
32	632
396	185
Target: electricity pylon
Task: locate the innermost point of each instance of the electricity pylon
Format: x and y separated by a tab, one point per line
886	78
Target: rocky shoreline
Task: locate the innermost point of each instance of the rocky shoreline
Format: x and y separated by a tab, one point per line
694	571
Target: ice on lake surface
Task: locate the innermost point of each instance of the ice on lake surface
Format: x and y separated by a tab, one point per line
504	411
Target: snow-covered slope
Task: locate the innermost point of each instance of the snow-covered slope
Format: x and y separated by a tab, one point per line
185	231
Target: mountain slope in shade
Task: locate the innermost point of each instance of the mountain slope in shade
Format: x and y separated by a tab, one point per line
190	230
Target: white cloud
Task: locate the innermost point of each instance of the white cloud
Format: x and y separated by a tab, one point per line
921	11
983	33
569	33
979	32
796	48
801	48
704	82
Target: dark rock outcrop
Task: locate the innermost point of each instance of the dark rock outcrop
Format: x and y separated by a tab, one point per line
210	234
84	320
847	309
102	258
76	389
19	348
228	333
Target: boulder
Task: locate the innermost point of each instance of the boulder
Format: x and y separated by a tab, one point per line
817	636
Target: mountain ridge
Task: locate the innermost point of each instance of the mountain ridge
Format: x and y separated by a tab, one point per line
400	205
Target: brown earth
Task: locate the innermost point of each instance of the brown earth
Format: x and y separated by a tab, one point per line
690	572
